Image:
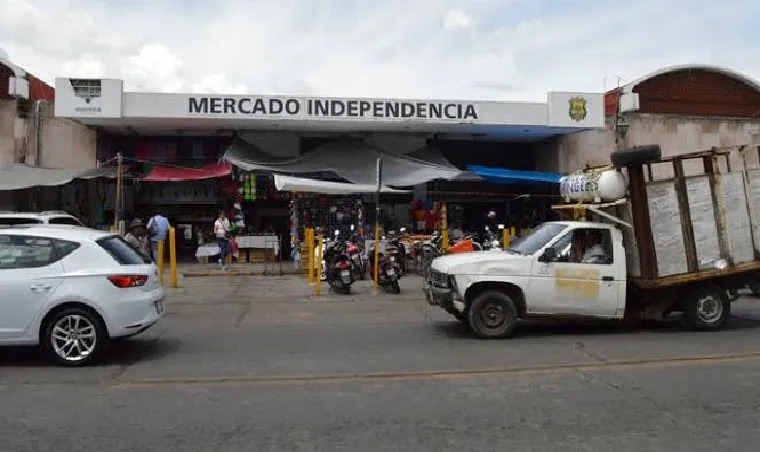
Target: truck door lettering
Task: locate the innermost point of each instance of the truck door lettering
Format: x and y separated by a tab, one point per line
583	283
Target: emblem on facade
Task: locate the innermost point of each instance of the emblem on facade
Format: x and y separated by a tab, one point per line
577	110
86	89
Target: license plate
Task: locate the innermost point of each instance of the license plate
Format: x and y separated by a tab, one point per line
159	307
390	272
345	273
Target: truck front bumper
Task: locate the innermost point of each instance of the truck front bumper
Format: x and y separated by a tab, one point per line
440	296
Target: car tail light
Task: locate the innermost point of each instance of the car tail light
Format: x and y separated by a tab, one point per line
124	281
343	264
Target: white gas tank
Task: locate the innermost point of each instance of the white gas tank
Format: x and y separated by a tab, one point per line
594	186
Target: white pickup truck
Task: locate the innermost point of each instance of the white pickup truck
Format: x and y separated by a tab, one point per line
683	258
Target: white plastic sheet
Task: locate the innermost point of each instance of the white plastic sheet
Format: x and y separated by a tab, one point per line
17	176
288	183
352	159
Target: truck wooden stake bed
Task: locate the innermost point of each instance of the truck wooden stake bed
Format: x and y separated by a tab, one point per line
632	247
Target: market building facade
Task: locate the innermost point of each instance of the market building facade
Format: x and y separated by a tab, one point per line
178	141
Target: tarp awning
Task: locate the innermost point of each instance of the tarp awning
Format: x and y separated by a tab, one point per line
18	176
351	159
161	173
288	183
510	176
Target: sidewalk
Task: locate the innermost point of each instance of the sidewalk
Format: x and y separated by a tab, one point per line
189	270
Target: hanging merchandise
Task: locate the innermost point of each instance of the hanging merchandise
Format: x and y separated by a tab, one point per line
238	217
252	188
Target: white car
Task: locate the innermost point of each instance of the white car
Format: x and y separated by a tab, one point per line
46	217
71	290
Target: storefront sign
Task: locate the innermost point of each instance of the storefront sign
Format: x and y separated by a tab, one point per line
330	108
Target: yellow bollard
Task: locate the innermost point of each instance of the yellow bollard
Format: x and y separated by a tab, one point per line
113	230
505	239
444	228
160	261
377	253
318	285
512	231
309	237
173	257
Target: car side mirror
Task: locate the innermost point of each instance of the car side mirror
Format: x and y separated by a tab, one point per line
549	255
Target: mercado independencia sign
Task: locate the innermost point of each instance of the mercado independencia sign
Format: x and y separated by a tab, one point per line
330	108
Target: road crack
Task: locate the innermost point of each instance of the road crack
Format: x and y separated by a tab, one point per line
581	347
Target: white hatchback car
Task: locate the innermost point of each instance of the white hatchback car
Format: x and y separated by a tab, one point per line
46	217
71	290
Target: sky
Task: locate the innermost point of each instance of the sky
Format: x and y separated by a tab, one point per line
445	49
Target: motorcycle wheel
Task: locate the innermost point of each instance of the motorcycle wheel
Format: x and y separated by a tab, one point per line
395	288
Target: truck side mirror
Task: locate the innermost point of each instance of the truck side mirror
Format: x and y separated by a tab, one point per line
549	255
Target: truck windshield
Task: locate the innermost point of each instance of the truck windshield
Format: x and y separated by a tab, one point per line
536	239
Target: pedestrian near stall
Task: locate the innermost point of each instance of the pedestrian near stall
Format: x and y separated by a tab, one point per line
158	228
222	233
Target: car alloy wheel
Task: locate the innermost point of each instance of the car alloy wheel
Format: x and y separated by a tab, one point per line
75	337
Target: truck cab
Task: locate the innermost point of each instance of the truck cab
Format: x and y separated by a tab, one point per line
562	268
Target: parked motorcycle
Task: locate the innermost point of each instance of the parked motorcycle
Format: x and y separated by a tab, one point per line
354	249
388	269
337	266
489	239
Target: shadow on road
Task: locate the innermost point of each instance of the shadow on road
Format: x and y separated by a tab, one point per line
539	328
123	352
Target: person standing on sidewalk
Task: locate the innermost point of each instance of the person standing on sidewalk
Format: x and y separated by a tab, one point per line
222	233
138	238
158	228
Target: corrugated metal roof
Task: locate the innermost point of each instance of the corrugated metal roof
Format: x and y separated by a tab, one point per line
38	90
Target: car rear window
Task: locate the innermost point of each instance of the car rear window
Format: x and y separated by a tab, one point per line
65	220
19	220
121	251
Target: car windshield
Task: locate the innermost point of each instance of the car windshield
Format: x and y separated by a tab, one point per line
537	239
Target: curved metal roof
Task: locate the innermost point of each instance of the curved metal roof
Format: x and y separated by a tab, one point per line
749	81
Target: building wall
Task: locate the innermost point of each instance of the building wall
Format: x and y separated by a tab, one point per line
64	143
13	131
675	134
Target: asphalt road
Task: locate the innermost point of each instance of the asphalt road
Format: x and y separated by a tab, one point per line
256	364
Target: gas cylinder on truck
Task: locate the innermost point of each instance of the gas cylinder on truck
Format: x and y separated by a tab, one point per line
595	186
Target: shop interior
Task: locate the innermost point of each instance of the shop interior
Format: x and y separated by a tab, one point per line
259	209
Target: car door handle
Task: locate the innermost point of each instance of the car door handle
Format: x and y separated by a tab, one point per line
608	278
40	287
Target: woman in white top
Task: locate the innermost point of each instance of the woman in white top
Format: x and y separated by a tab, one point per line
222	232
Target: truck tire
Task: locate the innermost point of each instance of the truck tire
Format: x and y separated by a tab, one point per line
492	315
707	309
636	156
755	288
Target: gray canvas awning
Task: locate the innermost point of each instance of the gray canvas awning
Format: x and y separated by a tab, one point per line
18	176
351	159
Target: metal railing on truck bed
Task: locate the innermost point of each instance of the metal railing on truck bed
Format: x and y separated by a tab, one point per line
690	217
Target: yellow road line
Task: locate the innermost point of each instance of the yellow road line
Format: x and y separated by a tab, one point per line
295	379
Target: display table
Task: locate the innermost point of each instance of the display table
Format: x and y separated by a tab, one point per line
259	248
256	248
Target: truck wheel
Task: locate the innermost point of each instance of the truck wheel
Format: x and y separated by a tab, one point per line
636	156
755	288
707	309
492	315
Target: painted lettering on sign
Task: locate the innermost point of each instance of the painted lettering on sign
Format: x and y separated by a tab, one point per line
331	108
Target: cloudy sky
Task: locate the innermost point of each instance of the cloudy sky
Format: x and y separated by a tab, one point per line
469	49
